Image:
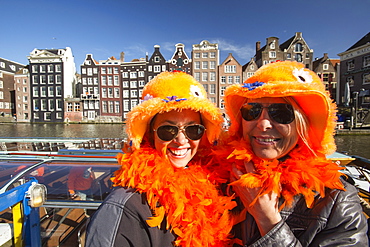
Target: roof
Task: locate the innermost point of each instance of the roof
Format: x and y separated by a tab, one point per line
363	41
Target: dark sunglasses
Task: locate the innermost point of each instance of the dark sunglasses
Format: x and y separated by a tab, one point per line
279	112
169	132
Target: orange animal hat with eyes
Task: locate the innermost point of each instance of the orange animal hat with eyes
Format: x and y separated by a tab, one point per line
172	91
282	79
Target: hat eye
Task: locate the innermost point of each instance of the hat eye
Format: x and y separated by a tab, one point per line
196	92
302	75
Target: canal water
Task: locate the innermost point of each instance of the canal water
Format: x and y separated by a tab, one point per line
353	144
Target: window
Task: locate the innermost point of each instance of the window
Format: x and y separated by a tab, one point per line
50	68
43	91
43	79
59	79
141	74
35	68
43	105
47	116
196	65
25	98
212	89
272	45
366	78
299	57
83	71
133	74
133	84
197	55
77	107
59	90
110	80
288	56
111	106
42	68
272	54
230	69
51	79
105	107
51	105
116	81
325	66
116	70
59	104
103	70
223	88
133	93
116	92
366	61
230	79
58	68
95	70
125	84
204	65
350	81
237	79
36	92
126	93
126	106
197	76
204	55
212	54
125	74
89	71
212	64
89	81
51	91
116	106
212	76
205	87
1	84
150	68
133	103
104	80
204	76
223	79
350	65
157	68
298	47
24	89
104	92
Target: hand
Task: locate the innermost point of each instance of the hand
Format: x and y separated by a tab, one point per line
265	211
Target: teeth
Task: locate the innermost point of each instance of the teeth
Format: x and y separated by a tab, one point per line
179	152
266	140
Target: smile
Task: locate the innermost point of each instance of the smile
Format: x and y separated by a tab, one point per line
266	140
179	152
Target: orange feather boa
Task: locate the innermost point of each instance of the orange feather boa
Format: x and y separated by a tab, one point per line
301	173
194	209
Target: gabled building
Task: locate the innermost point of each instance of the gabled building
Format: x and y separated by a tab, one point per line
110	90
249	69
52	79
22	95
156	64
89	90
205	60
294	49
355	70
7	91
326	69
134	76
230	72
180	60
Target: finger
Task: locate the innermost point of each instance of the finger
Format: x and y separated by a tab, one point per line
249	167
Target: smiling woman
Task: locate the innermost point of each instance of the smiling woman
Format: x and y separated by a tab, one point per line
282	125
162	184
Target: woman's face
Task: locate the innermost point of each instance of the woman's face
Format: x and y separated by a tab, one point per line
180	150
269	139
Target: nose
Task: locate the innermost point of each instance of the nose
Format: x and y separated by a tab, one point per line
181	138
264	122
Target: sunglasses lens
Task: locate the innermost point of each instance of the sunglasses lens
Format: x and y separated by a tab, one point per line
167	132
281	113
251	111
194	132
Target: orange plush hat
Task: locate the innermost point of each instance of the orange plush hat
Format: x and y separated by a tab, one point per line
172	91
282	79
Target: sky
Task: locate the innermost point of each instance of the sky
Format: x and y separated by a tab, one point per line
105	28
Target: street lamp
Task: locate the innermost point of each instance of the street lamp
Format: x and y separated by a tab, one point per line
355	98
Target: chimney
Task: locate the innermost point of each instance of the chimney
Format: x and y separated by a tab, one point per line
258	45
122	57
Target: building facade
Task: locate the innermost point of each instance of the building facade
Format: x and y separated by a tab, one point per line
230	72
326	69
8	69
249	69
205	61
355	71
294	49
89	88
180	60
156	64
52	79
22	95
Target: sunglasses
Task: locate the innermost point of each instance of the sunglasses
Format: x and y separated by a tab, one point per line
279	112
169	132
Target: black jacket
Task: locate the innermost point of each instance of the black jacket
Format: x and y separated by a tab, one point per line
335	220
121	221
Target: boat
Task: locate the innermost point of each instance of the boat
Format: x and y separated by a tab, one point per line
61	220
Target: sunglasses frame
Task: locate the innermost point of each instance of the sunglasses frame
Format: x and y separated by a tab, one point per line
183	129
270	112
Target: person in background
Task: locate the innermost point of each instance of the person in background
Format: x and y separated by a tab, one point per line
164	196
80	181
282	125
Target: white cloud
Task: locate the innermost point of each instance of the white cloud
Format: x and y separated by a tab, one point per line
246	51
